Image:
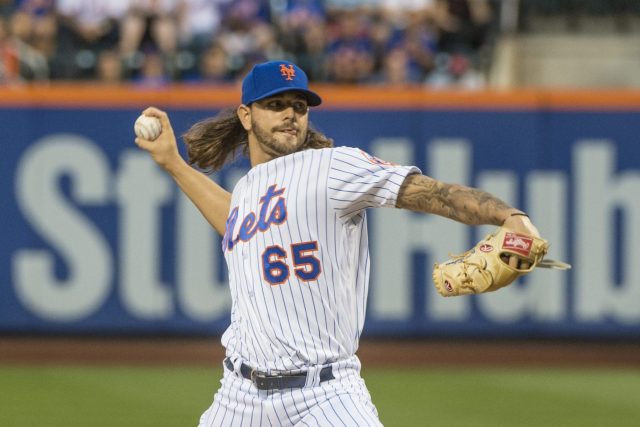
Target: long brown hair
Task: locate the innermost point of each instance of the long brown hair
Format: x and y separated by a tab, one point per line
215	141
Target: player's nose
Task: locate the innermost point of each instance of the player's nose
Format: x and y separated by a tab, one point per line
288	113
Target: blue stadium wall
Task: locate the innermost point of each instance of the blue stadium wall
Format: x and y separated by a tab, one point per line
97	240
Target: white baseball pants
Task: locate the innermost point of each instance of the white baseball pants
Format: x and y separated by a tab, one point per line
341	402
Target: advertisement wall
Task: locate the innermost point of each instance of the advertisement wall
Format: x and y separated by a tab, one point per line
96	239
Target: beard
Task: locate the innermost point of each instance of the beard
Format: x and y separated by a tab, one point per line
287	144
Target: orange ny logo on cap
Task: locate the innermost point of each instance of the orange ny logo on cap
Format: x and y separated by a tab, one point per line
287	72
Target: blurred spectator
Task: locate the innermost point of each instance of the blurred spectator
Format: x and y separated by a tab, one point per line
86	27
198	23
152	22
337	6
150	26
35	8
39	28
463	24
267	45
44	24
153	42
44	37
22	61
350	57
249	11
399	12
293	19
454	71
6	8
311	57
294	14
420	40
463	28
247	31
109	67
397	69
247	38
212	66
153	72
9	61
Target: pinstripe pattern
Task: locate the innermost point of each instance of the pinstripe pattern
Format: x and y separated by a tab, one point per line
299	284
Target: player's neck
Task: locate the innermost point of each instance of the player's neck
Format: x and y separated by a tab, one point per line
258	153
257	157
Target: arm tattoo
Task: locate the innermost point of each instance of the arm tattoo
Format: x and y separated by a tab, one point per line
458	202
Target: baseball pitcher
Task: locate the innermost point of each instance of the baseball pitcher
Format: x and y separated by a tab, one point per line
295	241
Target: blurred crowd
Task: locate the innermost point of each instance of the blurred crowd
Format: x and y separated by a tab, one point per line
155	42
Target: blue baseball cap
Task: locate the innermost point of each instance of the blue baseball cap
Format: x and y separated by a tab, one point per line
273	77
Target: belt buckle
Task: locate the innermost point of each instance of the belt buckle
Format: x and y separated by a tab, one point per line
257	378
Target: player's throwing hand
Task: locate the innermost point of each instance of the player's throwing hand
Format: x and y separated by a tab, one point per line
164	149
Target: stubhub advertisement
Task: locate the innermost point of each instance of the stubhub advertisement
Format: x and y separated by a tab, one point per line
95	238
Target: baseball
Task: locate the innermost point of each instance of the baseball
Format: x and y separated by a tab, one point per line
147	127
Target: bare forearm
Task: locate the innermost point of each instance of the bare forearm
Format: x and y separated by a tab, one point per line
212	200
458	202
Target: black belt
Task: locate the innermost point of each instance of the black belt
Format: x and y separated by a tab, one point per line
264	381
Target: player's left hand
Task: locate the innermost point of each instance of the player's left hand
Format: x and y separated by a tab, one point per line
488	267
520	224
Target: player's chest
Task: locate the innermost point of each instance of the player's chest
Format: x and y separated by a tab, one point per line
254	212
271	211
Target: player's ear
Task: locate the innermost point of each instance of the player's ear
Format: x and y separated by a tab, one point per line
244	114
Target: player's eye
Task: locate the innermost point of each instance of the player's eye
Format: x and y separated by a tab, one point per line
276	105
300	107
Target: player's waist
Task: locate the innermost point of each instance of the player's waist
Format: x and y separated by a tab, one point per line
266	381
278	354
313	374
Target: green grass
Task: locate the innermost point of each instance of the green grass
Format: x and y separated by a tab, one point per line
515	397
104	396
117	396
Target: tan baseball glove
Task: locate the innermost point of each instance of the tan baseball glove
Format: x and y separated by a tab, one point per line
485	268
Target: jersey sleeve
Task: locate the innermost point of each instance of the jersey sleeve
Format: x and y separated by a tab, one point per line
357	180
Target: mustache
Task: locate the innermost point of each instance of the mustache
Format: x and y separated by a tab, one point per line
286	126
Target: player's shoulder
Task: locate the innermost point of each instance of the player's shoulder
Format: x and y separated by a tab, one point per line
240	184
326	152
346	151
358	156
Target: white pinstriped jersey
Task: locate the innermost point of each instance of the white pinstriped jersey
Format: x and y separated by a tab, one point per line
297	253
